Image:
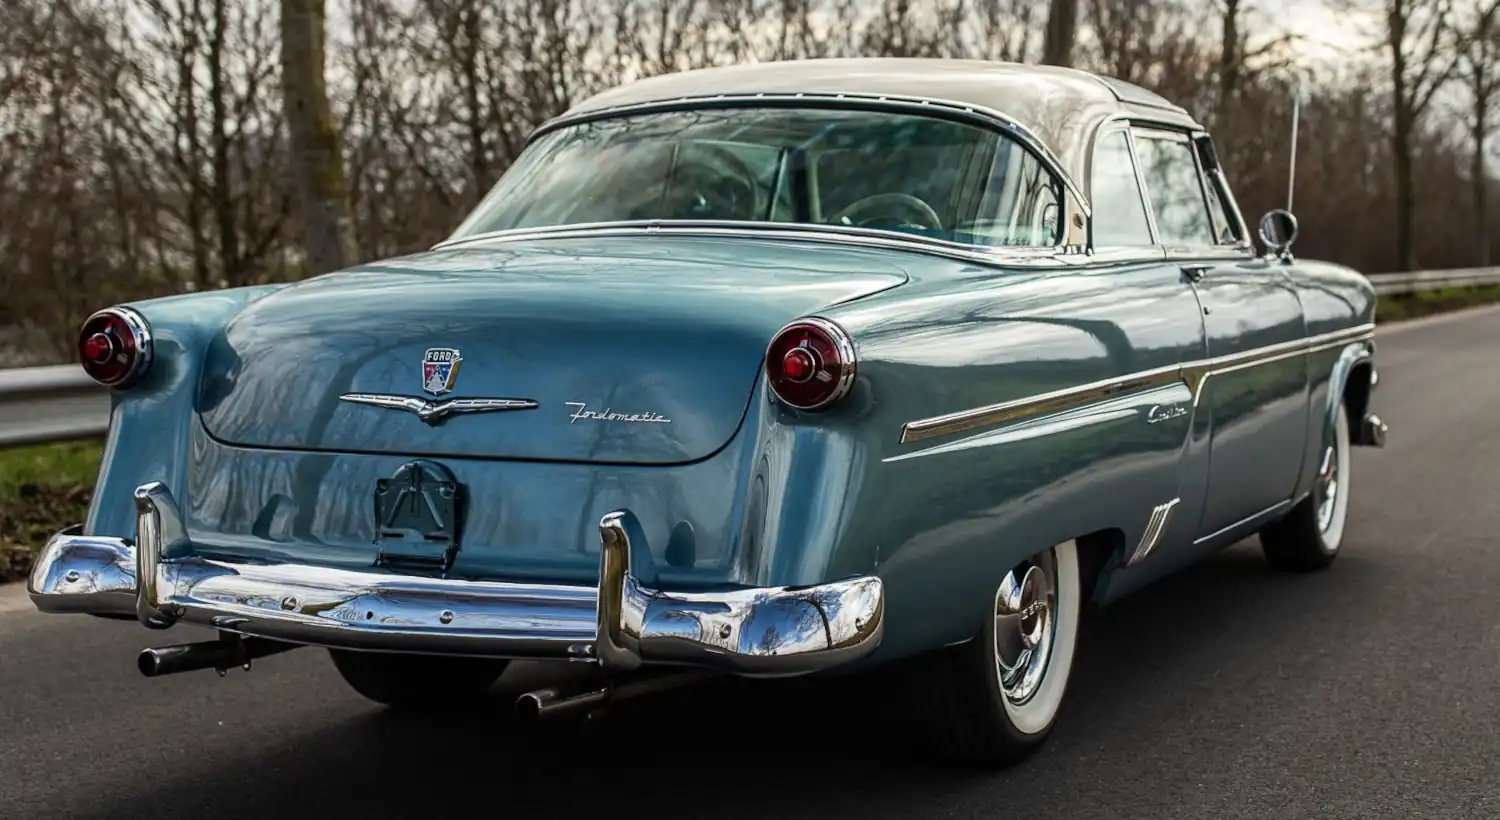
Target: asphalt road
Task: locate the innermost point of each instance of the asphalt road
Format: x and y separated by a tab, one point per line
1372	690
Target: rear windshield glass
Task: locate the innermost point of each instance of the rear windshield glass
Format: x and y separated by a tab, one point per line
871	169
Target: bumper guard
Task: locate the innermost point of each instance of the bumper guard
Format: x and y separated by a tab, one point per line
620	624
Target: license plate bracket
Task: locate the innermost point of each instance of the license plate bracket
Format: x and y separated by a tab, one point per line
417	512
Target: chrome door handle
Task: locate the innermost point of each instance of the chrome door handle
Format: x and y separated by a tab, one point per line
1194	273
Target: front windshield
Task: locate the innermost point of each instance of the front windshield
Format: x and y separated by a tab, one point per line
856	168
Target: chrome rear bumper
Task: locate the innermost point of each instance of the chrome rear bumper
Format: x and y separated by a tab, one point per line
620	624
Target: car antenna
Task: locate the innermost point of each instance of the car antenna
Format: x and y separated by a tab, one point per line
1291	174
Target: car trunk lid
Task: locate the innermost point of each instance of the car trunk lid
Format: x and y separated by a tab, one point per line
631	351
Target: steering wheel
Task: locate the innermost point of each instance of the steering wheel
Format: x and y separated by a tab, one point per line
715	184
925	216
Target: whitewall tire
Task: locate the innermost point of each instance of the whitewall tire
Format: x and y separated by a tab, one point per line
1309	537
993	700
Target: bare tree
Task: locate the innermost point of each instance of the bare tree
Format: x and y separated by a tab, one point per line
1003	30
1480	57
317	164
1062	30
1417	40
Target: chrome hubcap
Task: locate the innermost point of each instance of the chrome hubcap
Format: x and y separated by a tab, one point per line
1327	488
1024	627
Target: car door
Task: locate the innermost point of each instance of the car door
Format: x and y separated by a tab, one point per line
1251	391
1122	230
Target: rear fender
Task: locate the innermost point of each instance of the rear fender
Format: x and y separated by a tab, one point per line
150	420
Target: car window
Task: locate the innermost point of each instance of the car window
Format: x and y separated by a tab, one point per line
1118	208
1175	190
883	170
1226	231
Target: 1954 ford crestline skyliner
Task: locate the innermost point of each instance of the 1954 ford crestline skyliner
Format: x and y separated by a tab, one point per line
767	370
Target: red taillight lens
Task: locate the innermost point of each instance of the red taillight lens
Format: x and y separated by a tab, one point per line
114	347
810	364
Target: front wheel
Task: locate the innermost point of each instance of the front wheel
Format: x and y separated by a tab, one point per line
993	701
1309	537
427	682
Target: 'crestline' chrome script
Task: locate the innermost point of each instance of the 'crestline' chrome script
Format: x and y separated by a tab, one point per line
582	411
1161	412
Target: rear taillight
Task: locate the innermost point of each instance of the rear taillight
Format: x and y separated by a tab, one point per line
810	364
114	346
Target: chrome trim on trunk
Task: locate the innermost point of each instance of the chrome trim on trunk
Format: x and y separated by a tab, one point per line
432	411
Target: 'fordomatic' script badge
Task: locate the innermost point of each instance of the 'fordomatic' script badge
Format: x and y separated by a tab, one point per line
582	412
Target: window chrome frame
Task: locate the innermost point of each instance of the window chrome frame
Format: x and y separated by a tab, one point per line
1074	223
1110	128
1243	248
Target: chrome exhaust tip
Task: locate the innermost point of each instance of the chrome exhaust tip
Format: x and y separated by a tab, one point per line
220	655
553	702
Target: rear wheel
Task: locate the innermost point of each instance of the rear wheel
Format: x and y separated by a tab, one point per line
993	701
1309	537
427	682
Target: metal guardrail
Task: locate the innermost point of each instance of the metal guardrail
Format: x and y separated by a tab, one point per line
40	405
46	404
1402	283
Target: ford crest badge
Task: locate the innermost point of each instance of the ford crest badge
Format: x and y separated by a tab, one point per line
440	370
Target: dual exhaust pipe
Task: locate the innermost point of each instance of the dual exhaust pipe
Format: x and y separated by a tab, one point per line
555	702
548	703
227	652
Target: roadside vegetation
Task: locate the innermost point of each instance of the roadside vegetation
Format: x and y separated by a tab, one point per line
42	490
1427	303
46	488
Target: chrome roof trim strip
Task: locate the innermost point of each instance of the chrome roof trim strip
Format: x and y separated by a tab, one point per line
1052	256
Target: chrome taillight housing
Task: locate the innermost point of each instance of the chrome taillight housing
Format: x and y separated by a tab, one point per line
114	346
810	364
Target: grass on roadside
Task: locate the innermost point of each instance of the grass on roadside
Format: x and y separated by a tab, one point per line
42	490
1392	308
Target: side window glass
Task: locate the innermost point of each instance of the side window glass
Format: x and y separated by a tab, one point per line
1221	217
1172	184
1220	201
1115	194
1021	202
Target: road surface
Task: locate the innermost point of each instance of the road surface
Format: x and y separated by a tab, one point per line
1369	691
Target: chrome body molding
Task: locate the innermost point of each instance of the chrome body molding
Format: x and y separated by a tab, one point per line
1251	522
1193	374
434	412
1155	526
162	579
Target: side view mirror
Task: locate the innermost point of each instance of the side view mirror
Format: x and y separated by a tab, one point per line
1278	230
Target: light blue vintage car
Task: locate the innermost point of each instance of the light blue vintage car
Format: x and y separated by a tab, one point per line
777	369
